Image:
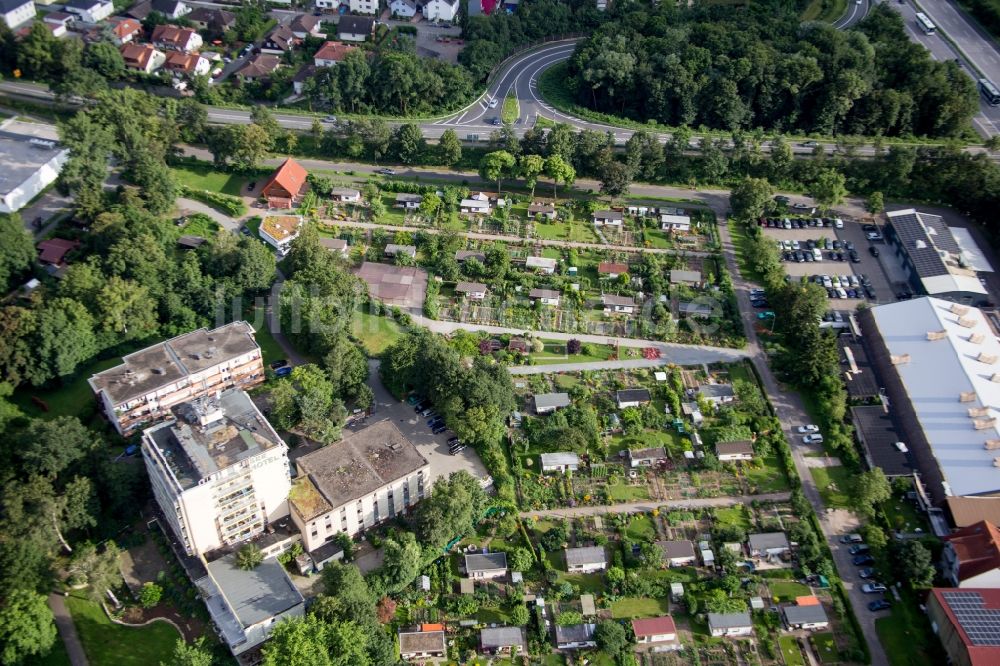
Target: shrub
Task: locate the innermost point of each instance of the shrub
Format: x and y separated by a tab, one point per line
230	205
150	595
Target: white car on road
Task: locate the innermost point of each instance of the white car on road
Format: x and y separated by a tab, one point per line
807	429
812	439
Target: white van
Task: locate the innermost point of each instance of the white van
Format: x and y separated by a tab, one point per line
817	255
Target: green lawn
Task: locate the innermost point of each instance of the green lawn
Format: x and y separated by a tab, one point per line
375	333
207	178
824	10
641	528
268	345
826	648
631	607
555	352
70	399
511	110
733	515
769	478
904	516
833	484
905	635
114	645
57	656
790	651
787	590
592	583
200	225
623	493
568	231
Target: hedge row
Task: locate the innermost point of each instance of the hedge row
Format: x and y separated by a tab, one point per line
230	205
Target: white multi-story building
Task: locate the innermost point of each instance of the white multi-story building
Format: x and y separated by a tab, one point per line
218	470
441	10
149	382
16	12
364	6
370	476
32	159
91	11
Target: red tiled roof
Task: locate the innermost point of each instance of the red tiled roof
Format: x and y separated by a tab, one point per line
979	655
431	627
137	55
173	35
53	250
610	267
333	51
290	177
181	62
123	27
977	547
654	626
808	600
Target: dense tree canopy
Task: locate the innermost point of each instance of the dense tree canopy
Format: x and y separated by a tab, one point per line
756	66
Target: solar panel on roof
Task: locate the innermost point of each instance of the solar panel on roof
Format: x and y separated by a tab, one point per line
981	625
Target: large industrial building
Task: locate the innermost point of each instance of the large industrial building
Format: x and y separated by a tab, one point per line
218	470
32	159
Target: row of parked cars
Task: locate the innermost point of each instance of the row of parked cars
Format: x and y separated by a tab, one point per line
861	556
845	286
435	421
800	222
812	250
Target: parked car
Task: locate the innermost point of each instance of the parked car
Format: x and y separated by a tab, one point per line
807	429
813	439
280	363
283	371
859	549
439	429
870	227
863	560
848	245
869	292
851	538
879	605
809	144
494	102
873	588
765	315
872	250
781	199
801	206
873	236
456	449
838	223
867	572
453	440
855	257
386	172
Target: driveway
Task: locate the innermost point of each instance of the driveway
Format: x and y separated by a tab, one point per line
188	206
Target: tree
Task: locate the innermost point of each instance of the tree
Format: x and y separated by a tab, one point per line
408	143
38	52
97	569
190	654
249	557
573	346
829	188
870	488
27	627
348	593
36	511
402	561
430	206
302	640
105	59
63	338
496	165
519	615
449	148
247	145
50	447
560	171
386	610
150	595
520	559
531	167
569	618
915	562
749	198
17	252
875	203
611	638
615	178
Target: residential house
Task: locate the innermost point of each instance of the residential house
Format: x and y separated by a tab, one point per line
730	624
646	457
614	304
172	9
608	218
656	630
16	12
332	53
422	644
475	291
124	30
372	475
677	553
336	245
632	398
403	8
971	556
148	382
357	28
189	64
769	544
734	451
216	21
477	204
560	462
32	159
246	605
690	278
191	242
54	250
586	559
210	445
175	38
143	57
285	185
695	310
58	20
576	636
502	640
486	566
345	195
327	4
675	223
547	211
543	265
279	231
280	40
363	7
392	250
306	25
90	11
409	201
261	66
966	621
811	617
441	10
611	269
545	296
546	403
717	394
306	72
462	255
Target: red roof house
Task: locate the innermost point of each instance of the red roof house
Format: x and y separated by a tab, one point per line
285	184
968	623
971	556
53	251
611	268
655	630
331	53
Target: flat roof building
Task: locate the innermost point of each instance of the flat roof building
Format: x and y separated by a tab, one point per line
370	476
218	470
586	559
150	381
32	159
550	402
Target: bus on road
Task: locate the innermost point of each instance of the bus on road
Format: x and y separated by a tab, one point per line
925	23
989	92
